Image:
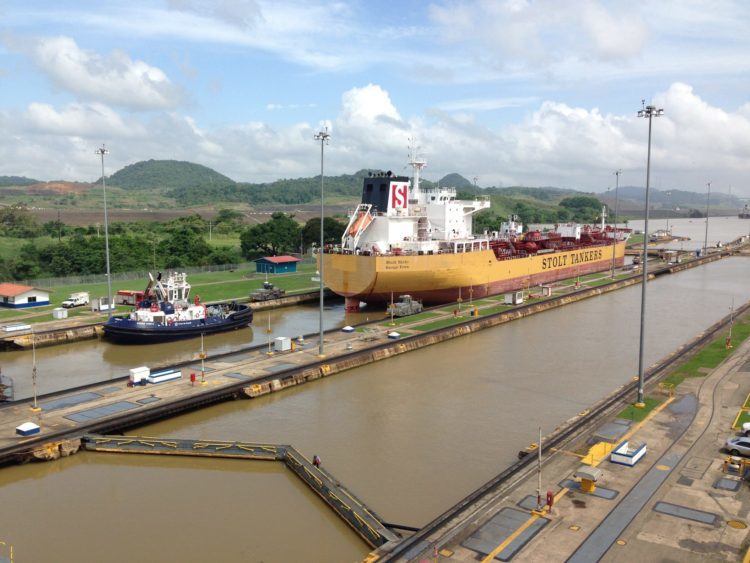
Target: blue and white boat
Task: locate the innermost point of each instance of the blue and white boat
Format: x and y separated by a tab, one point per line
167	313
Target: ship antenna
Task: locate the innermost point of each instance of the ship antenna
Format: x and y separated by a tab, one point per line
417	163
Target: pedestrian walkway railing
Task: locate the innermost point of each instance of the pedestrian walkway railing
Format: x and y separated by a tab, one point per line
354	512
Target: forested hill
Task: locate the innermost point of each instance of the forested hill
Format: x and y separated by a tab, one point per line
455	181
167	174
16	181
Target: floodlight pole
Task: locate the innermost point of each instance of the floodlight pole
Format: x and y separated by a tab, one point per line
101	152
614	238
708	208
648	112
35	406
323	136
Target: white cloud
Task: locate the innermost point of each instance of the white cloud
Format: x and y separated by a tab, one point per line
307	33
555	144
275	107
367	105
486	104
519	33
115	79
79	120
240	13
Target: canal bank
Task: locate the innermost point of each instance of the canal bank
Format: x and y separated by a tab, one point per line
500	518
680	500
66	331
411	435
233	375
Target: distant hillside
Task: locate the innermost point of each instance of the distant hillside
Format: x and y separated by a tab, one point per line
681	198
286	191
167	174
669	203
16	181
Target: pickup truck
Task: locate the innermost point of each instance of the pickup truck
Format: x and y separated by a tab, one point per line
76	300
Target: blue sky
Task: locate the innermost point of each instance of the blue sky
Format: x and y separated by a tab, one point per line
517	92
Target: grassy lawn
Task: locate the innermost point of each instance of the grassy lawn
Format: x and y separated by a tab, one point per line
637	415
442	323
674	379
411	318
210	286
493	310
11	246
744	416
711	356
220	239
716	352
635	239
597	283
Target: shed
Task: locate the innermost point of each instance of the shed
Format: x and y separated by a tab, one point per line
17	296
276	264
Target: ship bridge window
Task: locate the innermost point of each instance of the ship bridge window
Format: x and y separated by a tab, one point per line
368	188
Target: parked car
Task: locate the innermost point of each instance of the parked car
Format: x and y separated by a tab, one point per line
738	445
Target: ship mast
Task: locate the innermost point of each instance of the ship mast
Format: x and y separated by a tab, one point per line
417	163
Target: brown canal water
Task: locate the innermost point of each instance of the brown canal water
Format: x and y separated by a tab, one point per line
91	361
410	435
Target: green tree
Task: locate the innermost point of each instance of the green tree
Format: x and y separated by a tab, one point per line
17	221
194	223
279	235
487	220
228	221
333	229
184	247
583	208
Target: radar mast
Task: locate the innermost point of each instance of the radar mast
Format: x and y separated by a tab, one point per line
417	163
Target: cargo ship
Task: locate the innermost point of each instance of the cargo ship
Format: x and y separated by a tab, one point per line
406	239
166	313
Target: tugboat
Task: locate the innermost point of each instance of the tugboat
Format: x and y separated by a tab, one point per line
745	213
166	313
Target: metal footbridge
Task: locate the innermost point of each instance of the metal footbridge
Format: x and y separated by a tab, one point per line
353	511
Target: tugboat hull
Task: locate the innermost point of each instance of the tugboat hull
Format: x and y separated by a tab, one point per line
122	330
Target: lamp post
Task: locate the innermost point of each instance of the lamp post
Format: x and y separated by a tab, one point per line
35	406
101	152
669	209
708	207
323	136
648	112
614	238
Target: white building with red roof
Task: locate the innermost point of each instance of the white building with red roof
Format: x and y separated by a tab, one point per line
16	296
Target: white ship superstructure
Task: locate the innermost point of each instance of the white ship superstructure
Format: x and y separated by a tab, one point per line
399	216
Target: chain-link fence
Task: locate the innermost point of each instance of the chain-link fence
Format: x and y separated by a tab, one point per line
139	275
